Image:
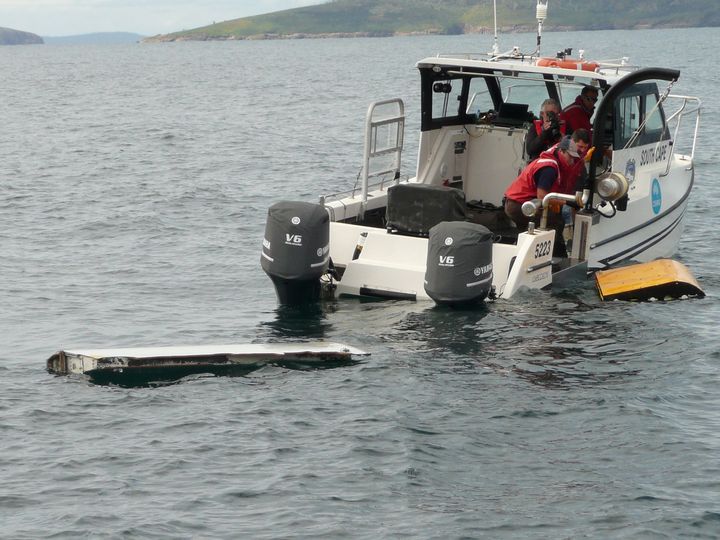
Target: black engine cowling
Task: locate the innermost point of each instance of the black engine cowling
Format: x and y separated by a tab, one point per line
296	250
459	263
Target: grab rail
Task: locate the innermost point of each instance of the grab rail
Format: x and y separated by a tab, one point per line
677	116
393	127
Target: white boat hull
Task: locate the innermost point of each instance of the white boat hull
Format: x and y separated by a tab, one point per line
394	266
647	230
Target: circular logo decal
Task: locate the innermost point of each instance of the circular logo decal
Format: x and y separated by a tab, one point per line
477	271
295	220
630	170
319	252
448	241
656	196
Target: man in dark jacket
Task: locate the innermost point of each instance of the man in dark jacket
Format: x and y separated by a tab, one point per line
546	131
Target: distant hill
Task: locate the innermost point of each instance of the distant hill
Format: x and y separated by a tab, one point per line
100	38
398	17
8	36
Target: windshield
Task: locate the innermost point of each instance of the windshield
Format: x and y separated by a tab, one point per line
454	96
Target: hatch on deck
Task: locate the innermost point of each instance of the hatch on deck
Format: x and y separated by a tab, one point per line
658	279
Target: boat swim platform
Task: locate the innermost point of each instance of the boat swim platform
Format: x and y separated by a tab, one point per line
659	279
144	365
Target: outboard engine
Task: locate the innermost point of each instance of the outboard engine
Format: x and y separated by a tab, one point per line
459	263
296	250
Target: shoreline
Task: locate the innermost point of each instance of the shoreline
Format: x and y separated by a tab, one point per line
515	29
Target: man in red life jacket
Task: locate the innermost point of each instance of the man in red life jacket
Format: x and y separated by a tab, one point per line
546	131
577	115
572	175
542	176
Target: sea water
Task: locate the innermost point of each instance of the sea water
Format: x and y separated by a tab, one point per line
134	185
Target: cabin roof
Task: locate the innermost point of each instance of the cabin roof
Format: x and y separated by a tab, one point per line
609	71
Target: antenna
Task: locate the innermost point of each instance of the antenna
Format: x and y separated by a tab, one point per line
541	14
496	48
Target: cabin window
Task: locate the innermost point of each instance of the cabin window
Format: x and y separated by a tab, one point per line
639	118
479	100
569	90
655	120
446	98
629	118
529	88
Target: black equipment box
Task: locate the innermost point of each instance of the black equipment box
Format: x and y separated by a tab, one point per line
413	209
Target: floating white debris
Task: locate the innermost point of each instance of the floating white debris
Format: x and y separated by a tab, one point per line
170	363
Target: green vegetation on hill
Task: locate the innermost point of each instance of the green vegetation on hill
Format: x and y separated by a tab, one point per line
393	17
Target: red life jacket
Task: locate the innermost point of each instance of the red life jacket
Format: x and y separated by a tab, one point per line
577	117
524	187
569	174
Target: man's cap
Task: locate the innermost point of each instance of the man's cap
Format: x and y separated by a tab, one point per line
569	146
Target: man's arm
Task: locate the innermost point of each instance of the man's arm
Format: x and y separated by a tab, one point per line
536	143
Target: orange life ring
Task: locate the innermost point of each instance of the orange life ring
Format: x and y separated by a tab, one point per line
568	63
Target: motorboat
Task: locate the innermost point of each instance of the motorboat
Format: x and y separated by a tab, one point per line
442	234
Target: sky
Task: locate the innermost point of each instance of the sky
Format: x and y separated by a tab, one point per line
146	17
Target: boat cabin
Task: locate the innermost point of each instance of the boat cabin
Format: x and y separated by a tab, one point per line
476	116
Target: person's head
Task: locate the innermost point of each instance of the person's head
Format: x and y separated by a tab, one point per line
589	96
549	106
581	138
568	151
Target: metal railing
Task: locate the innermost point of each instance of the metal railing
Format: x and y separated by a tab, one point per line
690	105
393	127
